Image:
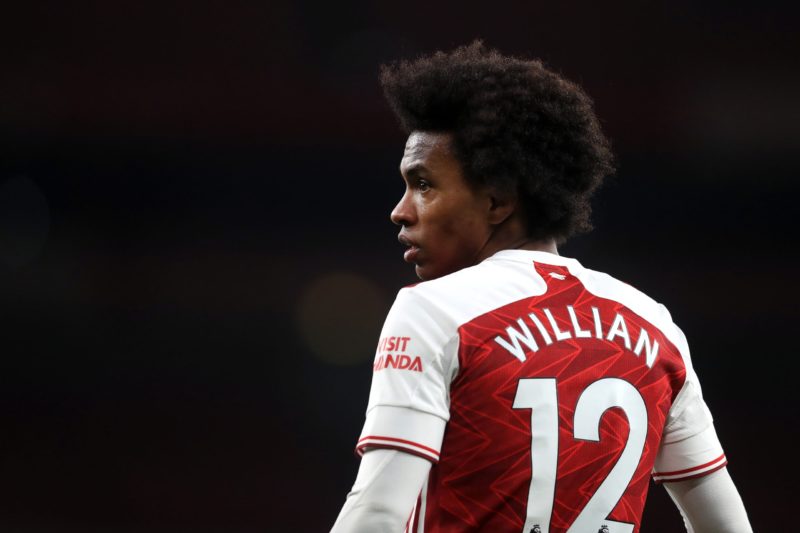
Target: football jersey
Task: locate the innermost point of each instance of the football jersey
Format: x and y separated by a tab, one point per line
546	395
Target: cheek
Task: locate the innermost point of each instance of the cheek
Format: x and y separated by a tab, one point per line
464	235
466	225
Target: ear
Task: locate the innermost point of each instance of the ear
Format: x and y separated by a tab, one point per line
500	207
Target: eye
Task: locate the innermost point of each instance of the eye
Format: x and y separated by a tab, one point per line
423	185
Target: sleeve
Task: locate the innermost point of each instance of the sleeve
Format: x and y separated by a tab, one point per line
689	444
384	494
409	403
710	504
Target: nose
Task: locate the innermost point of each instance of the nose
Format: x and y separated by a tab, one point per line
404	213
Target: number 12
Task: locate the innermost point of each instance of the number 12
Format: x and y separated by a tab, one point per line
540	395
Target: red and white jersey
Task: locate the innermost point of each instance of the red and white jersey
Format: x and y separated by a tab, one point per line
546	394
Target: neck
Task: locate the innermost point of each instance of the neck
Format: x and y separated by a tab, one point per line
511	235
519	243
545	245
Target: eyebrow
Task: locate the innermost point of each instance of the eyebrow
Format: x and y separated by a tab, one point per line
414	168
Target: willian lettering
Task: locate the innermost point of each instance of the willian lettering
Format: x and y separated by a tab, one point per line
520	336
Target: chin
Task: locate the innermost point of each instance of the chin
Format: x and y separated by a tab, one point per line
426	273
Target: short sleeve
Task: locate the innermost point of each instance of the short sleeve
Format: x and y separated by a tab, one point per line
409	402
689	444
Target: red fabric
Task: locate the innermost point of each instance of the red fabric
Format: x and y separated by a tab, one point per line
481	482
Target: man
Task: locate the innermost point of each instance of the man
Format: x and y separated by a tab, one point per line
515	390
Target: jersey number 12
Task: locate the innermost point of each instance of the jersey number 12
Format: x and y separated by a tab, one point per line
540	396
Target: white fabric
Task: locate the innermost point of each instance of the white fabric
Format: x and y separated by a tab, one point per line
407	429
425	390
701	450
710	504
384	494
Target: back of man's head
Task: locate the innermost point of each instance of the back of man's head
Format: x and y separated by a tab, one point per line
517	127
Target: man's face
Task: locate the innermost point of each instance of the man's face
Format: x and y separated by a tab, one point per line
444	220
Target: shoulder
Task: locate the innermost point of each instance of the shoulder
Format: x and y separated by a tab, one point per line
606	286
459	297
511	275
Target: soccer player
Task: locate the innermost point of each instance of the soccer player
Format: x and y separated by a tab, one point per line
515	390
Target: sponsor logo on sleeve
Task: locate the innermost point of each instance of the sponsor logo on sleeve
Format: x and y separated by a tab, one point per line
397	360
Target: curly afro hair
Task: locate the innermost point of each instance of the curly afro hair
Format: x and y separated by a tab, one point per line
517	127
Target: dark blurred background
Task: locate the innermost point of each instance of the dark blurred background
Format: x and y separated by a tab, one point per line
196	256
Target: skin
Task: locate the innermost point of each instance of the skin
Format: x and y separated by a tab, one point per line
448	224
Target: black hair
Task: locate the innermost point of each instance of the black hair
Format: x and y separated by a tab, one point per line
516	126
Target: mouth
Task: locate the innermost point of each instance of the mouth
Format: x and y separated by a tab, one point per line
411	253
